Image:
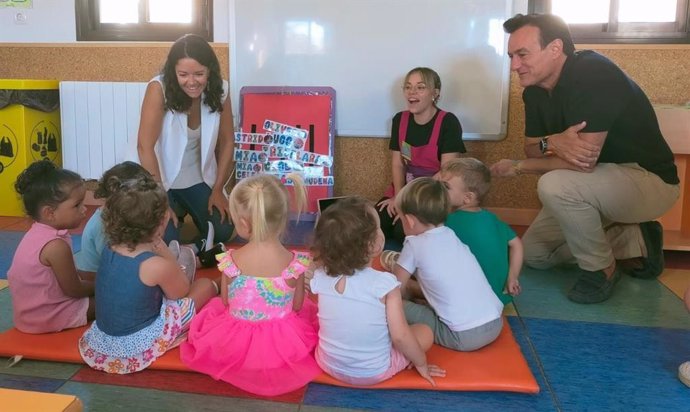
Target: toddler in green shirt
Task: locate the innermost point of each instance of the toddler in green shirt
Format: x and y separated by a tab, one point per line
495	245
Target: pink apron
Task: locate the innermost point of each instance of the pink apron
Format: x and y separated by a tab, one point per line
424	159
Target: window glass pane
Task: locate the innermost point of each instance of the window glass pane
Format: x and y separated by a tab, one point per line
581	11
647	11
119	11
170	11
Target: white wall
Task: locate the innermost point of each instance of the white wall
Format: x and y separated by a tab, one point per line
53	21
49	21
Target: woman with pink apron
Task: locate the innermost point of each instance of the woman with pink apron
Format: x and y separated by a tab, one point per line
422	137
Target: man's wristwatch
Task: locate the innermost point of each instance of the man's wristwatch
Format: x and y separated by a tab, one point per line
544	144
517	167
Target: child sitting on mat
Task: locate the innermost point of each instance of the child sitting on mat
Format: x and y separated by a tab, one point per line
48	293
363	337
495	245
145	300
462	310
261	333
93	241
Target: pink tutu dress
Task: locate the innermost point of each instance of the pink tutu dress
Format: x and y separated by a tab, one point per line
256	343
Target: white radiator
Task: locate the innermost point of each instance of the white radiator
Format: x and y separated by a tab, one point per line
99	121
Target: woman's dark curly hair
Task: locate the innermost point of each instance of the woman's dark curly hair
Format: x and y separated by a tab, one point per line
344	235
124	171
133	211
197	48
45	184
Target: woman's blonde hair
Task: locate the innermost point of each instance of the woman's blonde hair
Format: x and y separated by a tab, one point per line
430	78
263	201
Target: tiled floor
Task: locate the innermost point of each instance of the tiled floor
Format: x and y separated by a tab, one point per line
619	355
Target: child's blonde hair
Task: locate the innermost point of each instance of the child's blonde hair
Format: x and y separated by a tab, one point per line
473	172
263	200
426	199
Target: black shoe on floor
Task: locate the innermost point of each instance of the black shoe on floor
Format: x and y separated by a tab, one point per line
653	264
594	287
208	257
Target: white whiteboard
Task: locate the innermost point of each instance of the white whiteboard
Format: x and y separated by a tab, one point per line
364	48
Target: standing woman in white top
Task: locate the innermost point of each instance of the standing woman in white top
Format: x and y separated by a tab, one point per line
186	137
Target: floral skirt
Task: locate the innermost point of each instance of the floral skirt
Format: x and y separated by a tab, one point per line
135	352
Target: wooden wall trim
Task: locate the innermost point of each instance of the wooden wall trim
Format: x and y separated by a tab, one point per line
511	216
679	46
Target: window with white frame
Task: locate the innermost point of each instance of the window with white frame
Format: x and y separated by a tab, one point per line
143	20
621	21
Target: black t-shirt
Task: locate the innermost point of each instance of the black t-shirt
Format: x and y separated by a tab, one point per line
449	139
594	89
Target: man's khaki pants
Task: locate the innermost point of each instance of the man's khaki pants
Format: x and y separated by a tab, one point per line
593	218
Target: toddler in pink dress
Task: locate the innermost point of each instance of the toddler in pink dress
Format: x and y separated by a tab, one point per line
48	293
261	333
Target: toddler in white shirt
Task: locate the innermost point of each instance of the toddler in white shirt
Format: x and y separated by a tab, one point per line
462	311
363	336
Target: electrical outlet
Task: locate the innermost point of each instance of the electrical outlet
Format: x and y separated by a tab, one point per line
20	18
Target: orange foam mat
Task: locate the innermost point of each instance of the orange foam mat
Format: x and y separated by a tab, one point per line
497	367
62	347
12	400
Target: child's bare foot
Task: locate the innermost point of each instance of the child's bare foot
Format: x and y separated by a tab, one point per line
388	259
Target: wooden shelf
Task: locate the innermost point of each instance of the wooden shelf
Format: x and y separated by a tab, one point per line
675	240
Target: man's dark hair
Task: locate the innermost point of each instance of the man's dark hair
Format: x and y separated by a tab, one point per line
551	27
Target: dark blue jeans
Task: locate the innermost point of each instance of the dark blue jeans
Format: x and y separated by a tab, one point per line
194	200
394	233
